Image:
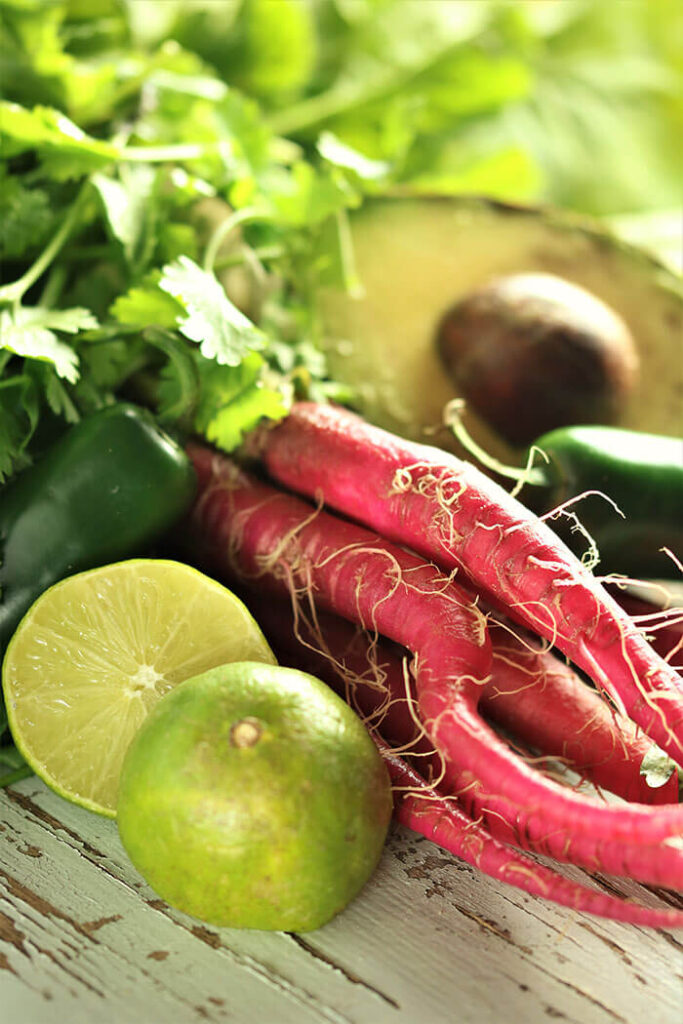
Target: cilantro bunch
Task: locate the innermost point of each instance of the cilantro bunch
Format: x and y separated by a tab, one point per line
141	243
176	177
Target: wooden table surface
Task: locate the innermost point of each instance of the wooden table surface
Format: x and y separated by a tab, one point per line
83	940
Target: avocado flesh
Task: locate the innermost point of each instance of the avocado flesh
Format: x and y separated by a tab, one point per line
416	257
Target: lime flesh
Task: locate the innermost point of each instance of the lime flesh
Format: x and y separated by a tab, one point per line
253	797
97	651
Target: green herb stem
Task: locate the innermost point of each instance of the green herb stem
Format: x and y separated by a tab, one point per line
53	285
76	253
535	476
167	154
15	290
237	259
352	281
246	215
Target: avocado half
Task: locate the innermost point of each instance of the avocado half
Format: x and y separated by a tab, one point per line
417	256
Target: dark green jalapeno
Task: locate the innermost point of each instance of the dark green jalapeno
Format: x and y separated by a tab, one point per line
104	491
639	509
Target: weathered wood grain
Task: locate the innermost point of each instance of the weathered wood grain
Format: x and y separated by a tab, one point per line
83	938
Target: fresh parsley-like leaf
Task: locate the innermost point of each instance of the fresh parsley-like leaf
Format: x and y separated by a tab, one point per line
271	50
303	196
175	240
57	396
25	216
69	150
125	201
146	305
177	393
234	399
210	319
29	331
219	385
339	153
233	421
108	361
19	411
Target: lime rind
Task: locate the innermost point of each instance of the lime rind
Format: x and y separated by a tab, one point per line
278	830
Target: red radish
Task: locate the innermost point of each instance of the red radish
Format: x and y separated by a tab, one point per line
242	525
424	811
543	703
448	511
536	698
662	624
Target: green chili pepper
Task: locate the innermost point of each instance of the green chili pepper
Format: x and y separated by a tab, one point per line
628	488
104	491
641	474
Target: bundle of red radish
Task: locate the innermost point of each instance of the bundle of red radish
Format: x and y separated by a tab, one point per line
439	521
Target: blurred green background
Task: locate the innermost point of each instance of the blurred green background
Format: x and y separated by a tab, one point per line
575	103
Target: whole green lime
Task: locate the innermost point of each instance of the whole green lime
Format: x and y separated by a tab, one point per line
253	797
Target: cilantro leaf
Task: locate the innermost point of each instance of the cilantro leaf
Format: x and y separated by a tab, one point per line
18	419
332	149
25	216
146	305
69	151
106	361
56	394
29	331
271	49
234	399
219	385
222	332
303	196
233	421
178	383
125	201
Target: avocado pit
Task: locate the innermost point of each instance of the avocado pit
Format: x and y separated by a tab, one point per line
531	352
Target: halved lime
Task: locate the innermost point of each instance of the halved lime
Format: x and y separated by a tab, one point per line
96	652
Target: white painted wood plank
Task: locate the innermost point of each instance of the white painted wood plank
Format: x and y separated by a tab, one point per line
85	894
83	938
480	946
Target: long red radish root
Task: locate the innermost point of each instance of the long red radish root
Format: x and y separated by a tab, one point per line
243	526
538	700
542	702
370	674
425	811
448	511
